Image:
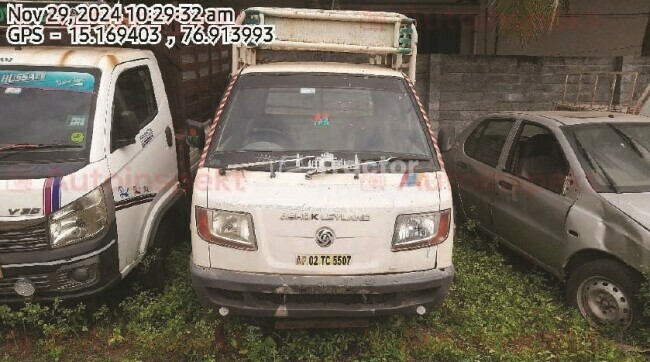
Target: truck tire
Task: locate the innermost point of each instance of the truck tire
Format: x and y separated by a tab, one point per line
605	292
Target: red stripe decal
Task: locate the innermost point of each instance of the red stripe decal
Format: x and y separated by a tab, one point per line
217	116
428	124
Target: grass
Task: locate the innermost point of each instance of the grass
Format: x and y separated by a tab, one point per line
499	308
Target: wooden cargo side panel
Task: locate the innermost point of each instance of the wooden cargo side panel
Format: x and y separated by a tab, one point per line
205	72
195	78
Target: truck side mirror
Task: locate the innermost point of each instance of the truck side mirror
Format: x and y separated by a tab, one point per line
128	128
195	134
446	136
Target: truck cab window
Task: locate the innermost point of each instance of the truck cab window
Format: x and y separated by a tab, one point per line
538	158
318	113
134	92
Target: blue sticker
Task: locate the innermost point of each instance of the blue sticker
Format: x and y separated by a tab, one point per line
72	81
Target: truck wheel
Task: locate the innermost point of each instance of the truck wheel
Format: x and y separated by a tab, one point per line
154	268
605	292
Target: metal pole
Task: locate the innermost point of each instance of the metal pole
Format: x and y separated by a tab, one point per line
611	98
636	76
593	94
566	83
578	93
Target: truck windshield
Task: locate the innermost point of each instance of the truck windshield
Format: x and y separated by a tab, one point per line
46	106
321	113
615	156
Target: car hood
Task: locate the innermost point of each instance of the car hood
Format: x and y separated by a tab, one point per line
635	205
291	192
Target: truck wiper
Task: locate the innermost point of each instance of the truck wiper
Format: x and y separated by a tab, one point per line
241	166
25	146
33	146
596	165
356	165
401	158
635	146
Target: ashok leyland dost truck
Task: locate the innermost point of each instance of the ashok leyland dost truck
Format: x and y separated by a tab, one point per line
337	201
92	175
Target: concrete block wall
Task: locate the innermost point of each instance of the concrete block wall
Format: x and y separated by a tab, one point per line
464	88
422	72
640	65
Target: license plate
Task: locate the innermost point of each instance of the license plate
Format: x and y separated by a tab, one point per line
325	260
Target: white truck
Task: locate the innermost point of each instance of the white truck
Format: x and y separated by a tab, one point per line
94	168
321	191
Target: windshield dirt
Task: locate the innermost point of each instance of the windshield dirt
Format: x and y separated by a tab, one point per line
43	106
321	112
615	156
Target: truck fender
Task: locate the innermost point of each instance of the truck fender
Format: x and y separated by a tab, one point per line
177	203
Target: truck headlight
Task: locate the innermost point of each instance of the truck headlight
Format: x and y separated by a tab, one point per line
416	231
226	228
81	220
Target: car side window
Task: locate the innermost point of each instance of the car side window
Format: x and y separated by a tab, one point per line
486	142
134	92
537	157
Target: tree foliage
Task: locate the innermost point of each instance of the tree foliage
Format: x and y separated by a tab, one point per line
526	20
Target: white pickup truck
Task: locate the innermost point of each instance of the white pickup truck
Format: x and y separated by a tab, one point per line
321	191
92	172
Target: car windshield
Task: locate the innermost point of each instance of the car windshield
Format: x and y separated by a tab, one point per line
282	113
616	156
46	106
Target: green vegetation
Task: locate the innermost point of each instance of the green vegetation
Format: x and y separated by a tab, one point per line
527	20
500	308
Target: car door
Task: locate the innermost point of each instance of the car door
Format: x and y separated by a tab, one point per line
143	170
476	166
530	205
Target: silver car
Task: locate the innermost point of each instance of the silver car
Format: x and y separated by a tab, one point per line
568	190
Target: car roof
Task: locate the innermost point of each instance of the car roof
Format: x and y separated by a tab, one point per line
322	67
570	118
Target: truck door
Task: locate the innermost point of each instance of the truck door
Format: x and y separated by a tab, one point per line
142	169
476	166
529	206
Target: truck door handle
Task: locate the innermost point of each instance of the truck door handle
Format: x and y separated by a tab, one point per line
169	136
505	185
462	165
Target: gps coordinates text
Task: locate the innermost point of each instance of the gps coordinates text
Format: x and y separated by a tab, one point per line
136	24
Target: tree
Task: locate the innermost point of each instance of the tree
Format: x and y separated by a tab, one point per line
526	19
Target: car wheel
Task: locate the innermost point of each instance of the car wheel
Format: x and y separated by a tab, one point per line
605	293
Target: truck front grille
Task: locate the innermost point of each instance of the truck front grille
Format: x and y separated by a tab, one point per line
18	236
281	299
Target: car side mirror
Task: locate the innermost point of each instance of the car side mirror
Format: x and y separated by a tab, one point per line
446	136
195	134
128	129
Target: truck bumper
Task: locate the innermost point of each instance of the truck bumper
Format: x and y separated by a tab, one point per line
70	272
308	296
